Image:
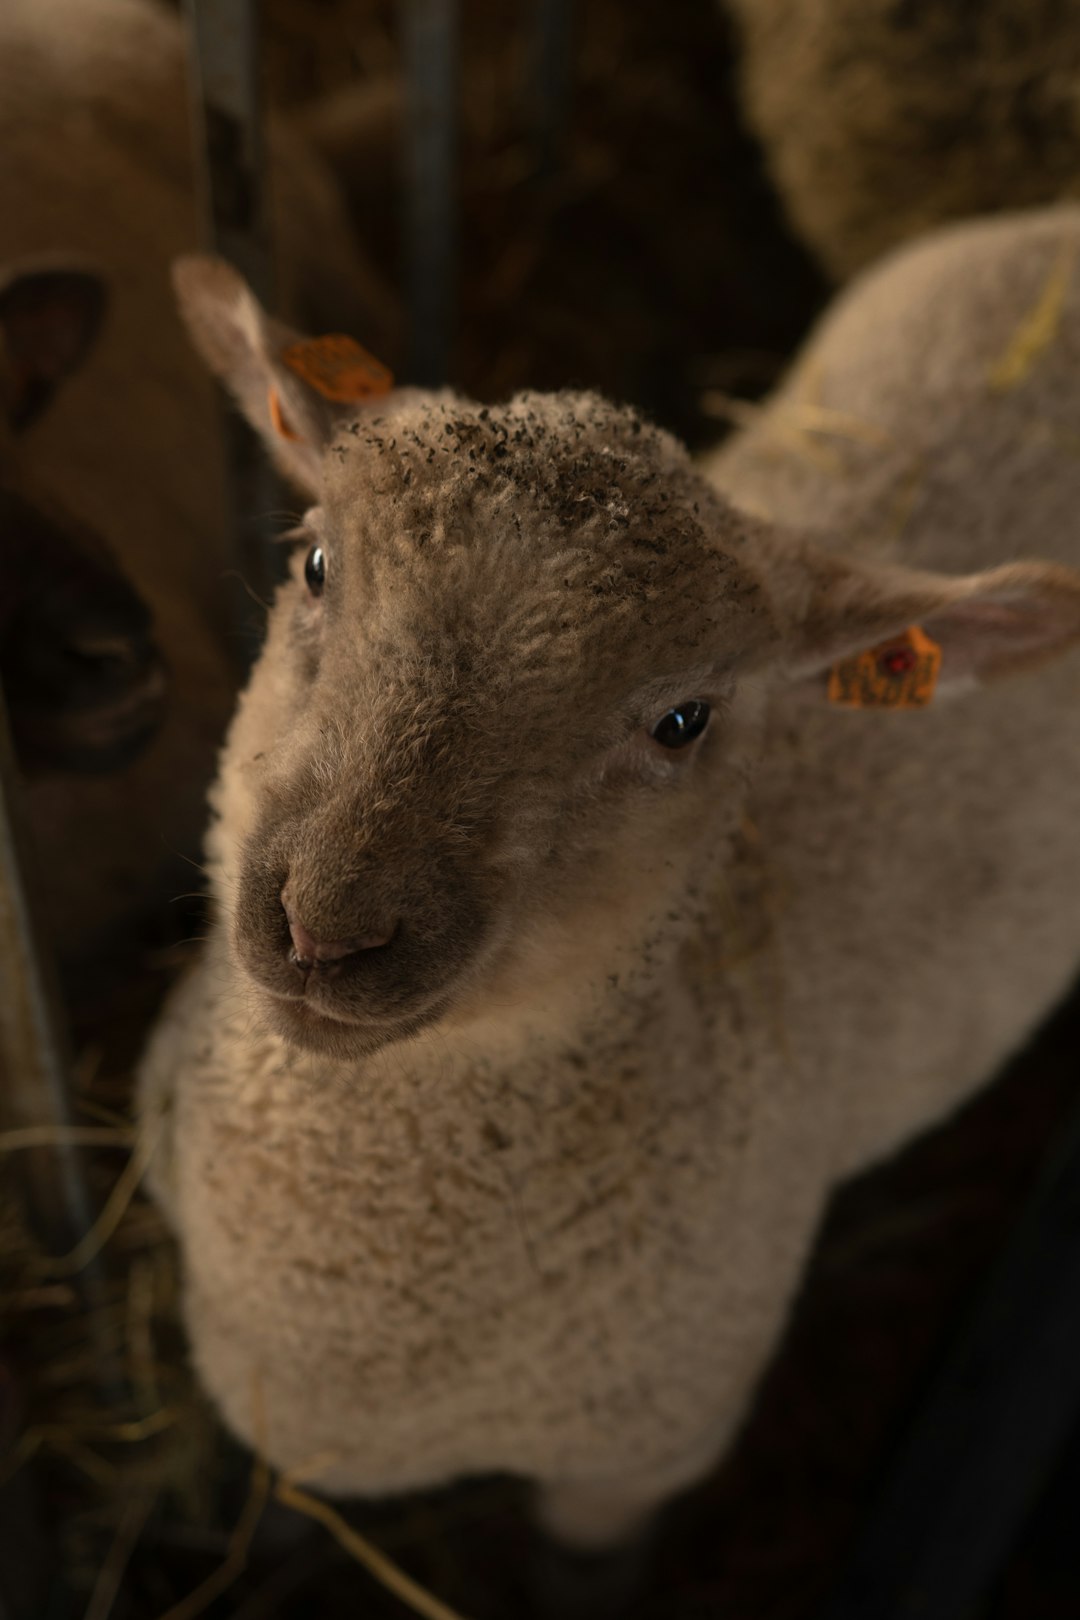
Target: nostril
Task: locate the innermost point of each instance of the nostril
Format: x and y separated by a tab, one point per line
304	945
307	951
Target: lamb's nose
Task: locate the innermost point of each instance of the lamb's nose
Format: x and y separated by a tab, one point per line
307	950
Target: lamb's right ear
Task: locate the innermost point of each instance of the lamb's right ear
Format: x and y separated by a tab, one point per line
295	391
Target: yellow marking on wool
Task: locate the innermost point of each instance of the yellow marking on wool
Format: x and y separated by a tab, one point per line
1038	328
867	681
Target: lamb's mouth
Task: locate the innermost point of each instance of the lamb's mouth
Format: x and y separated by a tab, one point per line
314	1029
380	998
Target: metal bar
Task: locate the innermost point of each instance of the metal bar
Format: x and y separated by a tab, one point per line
231	183
986	1440
228	135
429	31
34	1056
35	1068
552	77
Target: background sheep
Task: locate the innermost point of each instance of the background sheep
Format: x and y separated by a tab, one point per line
881	118
95	160
537	1025
82	680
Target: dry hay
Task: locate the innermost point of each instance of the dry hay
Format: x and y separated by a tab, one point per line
111	1425
104	1433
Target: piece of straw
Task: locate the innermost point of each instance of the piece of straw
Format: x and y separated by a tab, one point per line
124	1190
385	1571
235	1561
107	1586
38	1136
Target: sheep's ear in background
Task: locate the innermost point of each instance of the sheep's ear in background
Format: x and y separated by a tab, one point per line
867	636
295	391
50	315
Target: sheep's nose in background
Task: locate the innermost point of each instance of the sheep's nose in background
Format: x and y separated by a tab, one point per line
307	951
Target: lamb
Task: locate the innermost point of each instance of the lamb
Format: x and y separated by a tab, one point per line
81	676
571	944
882	118
96	166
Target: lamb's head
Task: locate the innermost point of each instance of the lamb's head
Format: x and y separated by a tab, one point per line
509	693
81	673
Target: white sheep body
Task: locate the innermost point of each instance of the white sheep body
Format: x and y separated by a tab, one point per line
558	1233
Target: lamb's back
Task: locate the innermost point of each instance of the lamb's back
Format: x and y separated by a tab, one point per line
927	861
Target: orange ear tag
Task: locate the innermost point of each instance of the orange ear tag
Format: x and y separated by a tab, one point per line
898	674
338	369
277	417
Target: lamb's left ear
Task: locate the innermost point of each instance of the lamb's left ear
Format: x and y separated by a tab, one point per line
863	635
295	391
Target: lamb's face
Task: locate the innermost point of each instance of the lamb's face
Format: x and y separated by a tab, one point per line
505	701
497	693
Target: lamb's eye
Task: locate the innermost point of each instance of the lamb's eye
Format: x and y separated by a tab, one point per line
315	570
682	724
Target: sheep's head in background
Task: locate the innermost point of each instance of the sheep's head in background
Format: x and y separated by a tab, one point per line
513	686
80	671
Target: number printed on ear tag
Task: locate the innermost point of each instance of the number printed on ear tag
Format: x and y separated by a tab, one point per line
901	673
338	368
